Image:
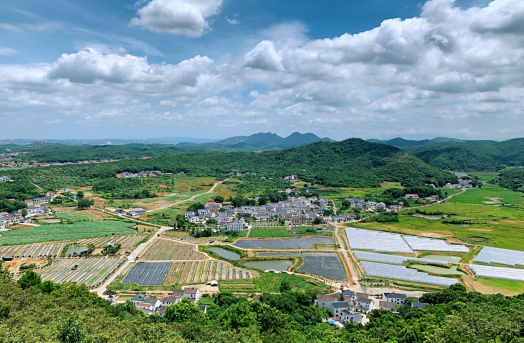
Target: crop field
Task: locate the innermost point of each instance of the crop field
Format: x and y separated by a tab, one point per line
302	231
33	250
498	286
66	232
77	218
89	271
184	272
167	250
495	226
127	241
265	233
294	243
324	264
184	236
489	194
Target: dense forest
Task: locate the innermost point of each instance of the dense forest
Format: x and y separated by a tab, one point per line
471	155
35	311
13	194
349	163
511	178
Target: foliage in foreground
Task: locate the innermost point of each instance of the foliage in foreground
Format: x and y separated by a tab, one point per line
70	313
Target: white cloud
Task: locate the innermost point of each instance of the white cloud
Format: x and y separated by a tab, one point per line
53	122
233	21
180	17
10	27
7	51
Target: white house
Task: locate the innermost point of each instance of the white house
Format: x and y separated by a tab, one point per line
339	306
396	298
364	305
325	300
386	305
351	317
192	294
189	214
237	225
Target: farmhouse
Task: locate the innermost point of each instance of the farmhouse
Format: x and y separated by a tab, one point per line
396	298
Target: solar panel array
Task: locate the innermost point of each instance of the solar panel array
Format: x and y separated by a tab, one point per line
501	256
376	241
390	271
392	259
428	244
497	272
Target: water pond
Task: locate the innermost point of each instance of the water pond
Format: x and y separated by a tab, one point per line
78	250
270	264
225	253
452	259
430	217
437	270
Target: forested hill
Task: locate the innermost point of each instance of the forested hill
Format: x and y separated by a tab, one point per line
349	163
455	158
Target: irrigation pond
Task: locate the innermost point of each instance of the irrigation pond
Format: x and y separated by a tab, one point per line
225	253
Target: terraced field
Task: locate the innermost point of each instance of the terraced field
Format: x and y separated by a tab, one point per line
66	232
167	250
33	250
184	236
184	272
126	241
89	271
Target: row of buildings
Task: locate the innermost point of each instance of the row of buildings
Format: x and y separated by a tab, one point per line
151	305
8	219
145	173
17	163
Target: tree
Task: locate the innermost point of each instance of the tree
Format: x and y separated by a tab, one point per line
285	286
24	212
219	199
346	204
80	194
317	220
184	311
48	286
70	331
29	279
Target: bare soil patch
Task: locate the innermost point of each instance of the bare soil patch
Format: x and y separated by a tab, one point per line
428	234
483	230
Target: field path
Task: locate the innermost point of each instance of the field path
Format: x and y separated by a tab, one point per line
192	198
131	258
347	261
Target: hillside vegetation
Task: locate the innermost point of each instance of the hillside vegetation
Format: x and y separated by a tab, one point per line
455	158
349	163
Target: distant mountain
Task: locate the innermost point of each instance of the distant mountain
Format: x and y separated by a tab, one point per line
401	142
113	141
258	141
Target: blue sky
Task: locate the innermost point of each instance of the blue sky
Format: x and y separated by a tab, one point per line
218	68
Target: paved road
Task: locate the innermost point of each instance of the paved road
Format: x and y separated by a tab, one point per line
131	258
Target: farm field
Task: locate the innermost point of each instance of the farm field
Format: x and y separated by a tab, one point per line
32	250
267	282
303	231
166	250
66	232
495	226
496	286
489	194
88	271
76	218
323	264
127	241
342	192
184	272
265	233
293	243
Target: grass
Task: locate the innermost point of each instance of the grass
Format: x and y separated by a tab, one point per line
206	301
66	232
268	282
266	233
71	218
303	232
496	226
483	195
494	286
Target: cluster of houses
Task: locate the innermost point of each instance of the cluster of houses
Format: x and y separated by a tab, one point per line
295	210
151	305
34	207
416	196
19	164
144	173
5	178
132	212
351	306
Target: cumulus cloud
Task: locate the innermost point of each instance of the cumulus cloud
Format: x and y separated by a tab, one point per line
404	76
180	17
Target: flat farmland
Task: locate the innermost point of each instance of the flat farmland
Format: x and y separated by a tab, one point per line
184	272
494	226
75	218
32	250
323	264
89	271
66	232
293	243
265	233
127	241
184	236
489	194
166	250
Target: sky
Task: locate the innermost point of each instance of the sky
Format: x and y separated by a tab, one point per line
221	68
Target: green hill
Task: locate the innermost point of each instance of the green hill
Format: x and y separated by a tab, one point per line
349	163
455	158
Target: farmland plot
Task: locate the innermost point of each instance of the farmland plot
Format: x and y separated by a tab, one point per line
184	272
184	236
89	271
294	243
33	250
66	232
324	264
167	250
126	241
